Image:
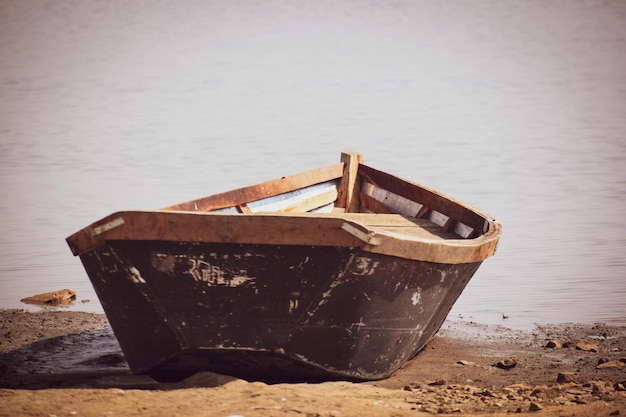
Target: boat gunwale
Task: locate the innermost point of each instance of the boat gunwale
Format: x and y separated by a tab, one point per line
291	228
308	229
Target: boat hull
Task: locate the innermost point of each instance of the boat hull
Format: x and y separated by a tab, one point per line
270	312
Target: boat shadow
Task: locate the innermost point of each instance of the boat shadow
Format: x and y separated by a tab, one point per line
81	360
92	359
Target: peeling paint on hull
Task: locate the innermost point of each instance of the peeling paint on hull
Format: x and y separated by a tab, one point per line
267	312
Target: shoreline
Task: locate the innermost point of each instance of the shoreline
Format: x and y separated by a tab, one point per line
63	362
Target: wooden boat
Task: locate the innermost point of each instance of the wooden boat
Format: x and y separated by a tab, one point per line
341	272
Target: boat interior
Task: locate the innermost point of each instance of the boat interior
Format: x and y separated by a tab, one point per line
354	191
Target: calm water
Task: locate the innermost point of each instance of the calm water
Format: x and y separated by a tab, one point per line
518	108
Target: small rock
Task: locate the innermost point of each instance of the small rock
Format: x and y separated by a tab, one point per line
611	364
567	377
438	382
485	393
535	406
540	392
466	363
561	400
614	413
587	346
506	363
576	391
554	344
517	388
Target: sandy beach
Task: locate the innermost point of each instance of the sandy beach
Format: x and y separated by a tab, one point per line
64	363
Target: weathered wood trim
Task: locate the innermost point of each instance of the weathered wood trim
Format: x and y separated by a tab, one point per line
313	202
439	251
266	228
262	190
349	186
311	229
367	236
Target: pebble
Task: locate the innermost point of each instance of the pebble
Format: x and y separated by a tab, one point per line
567	377
611	364
554	344
509	363
584	346
438	382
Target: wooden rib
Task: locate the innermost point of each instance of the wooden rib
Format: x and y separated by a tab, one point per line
262	190
373	205
449	225
426	196
243	208
350	183
422	212
438	218
463	230
474	234
312	203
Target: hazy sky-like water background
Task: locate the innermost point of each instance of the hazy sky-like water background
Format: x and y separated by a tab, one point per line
518	108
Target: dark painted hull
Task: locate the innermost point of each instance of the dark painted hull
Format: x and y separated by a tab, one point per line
266	312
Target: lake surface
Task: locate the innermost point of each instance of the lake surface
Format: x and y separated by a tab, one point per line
518	108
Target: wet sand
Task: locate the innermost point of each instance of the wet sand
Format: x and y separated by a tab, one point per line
65	363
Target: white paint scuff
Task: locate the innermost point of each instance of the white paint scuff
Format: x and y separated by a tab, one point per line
415	298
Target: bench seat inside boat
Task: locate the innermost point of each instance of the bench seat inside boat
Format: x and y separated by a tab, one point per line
397	223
